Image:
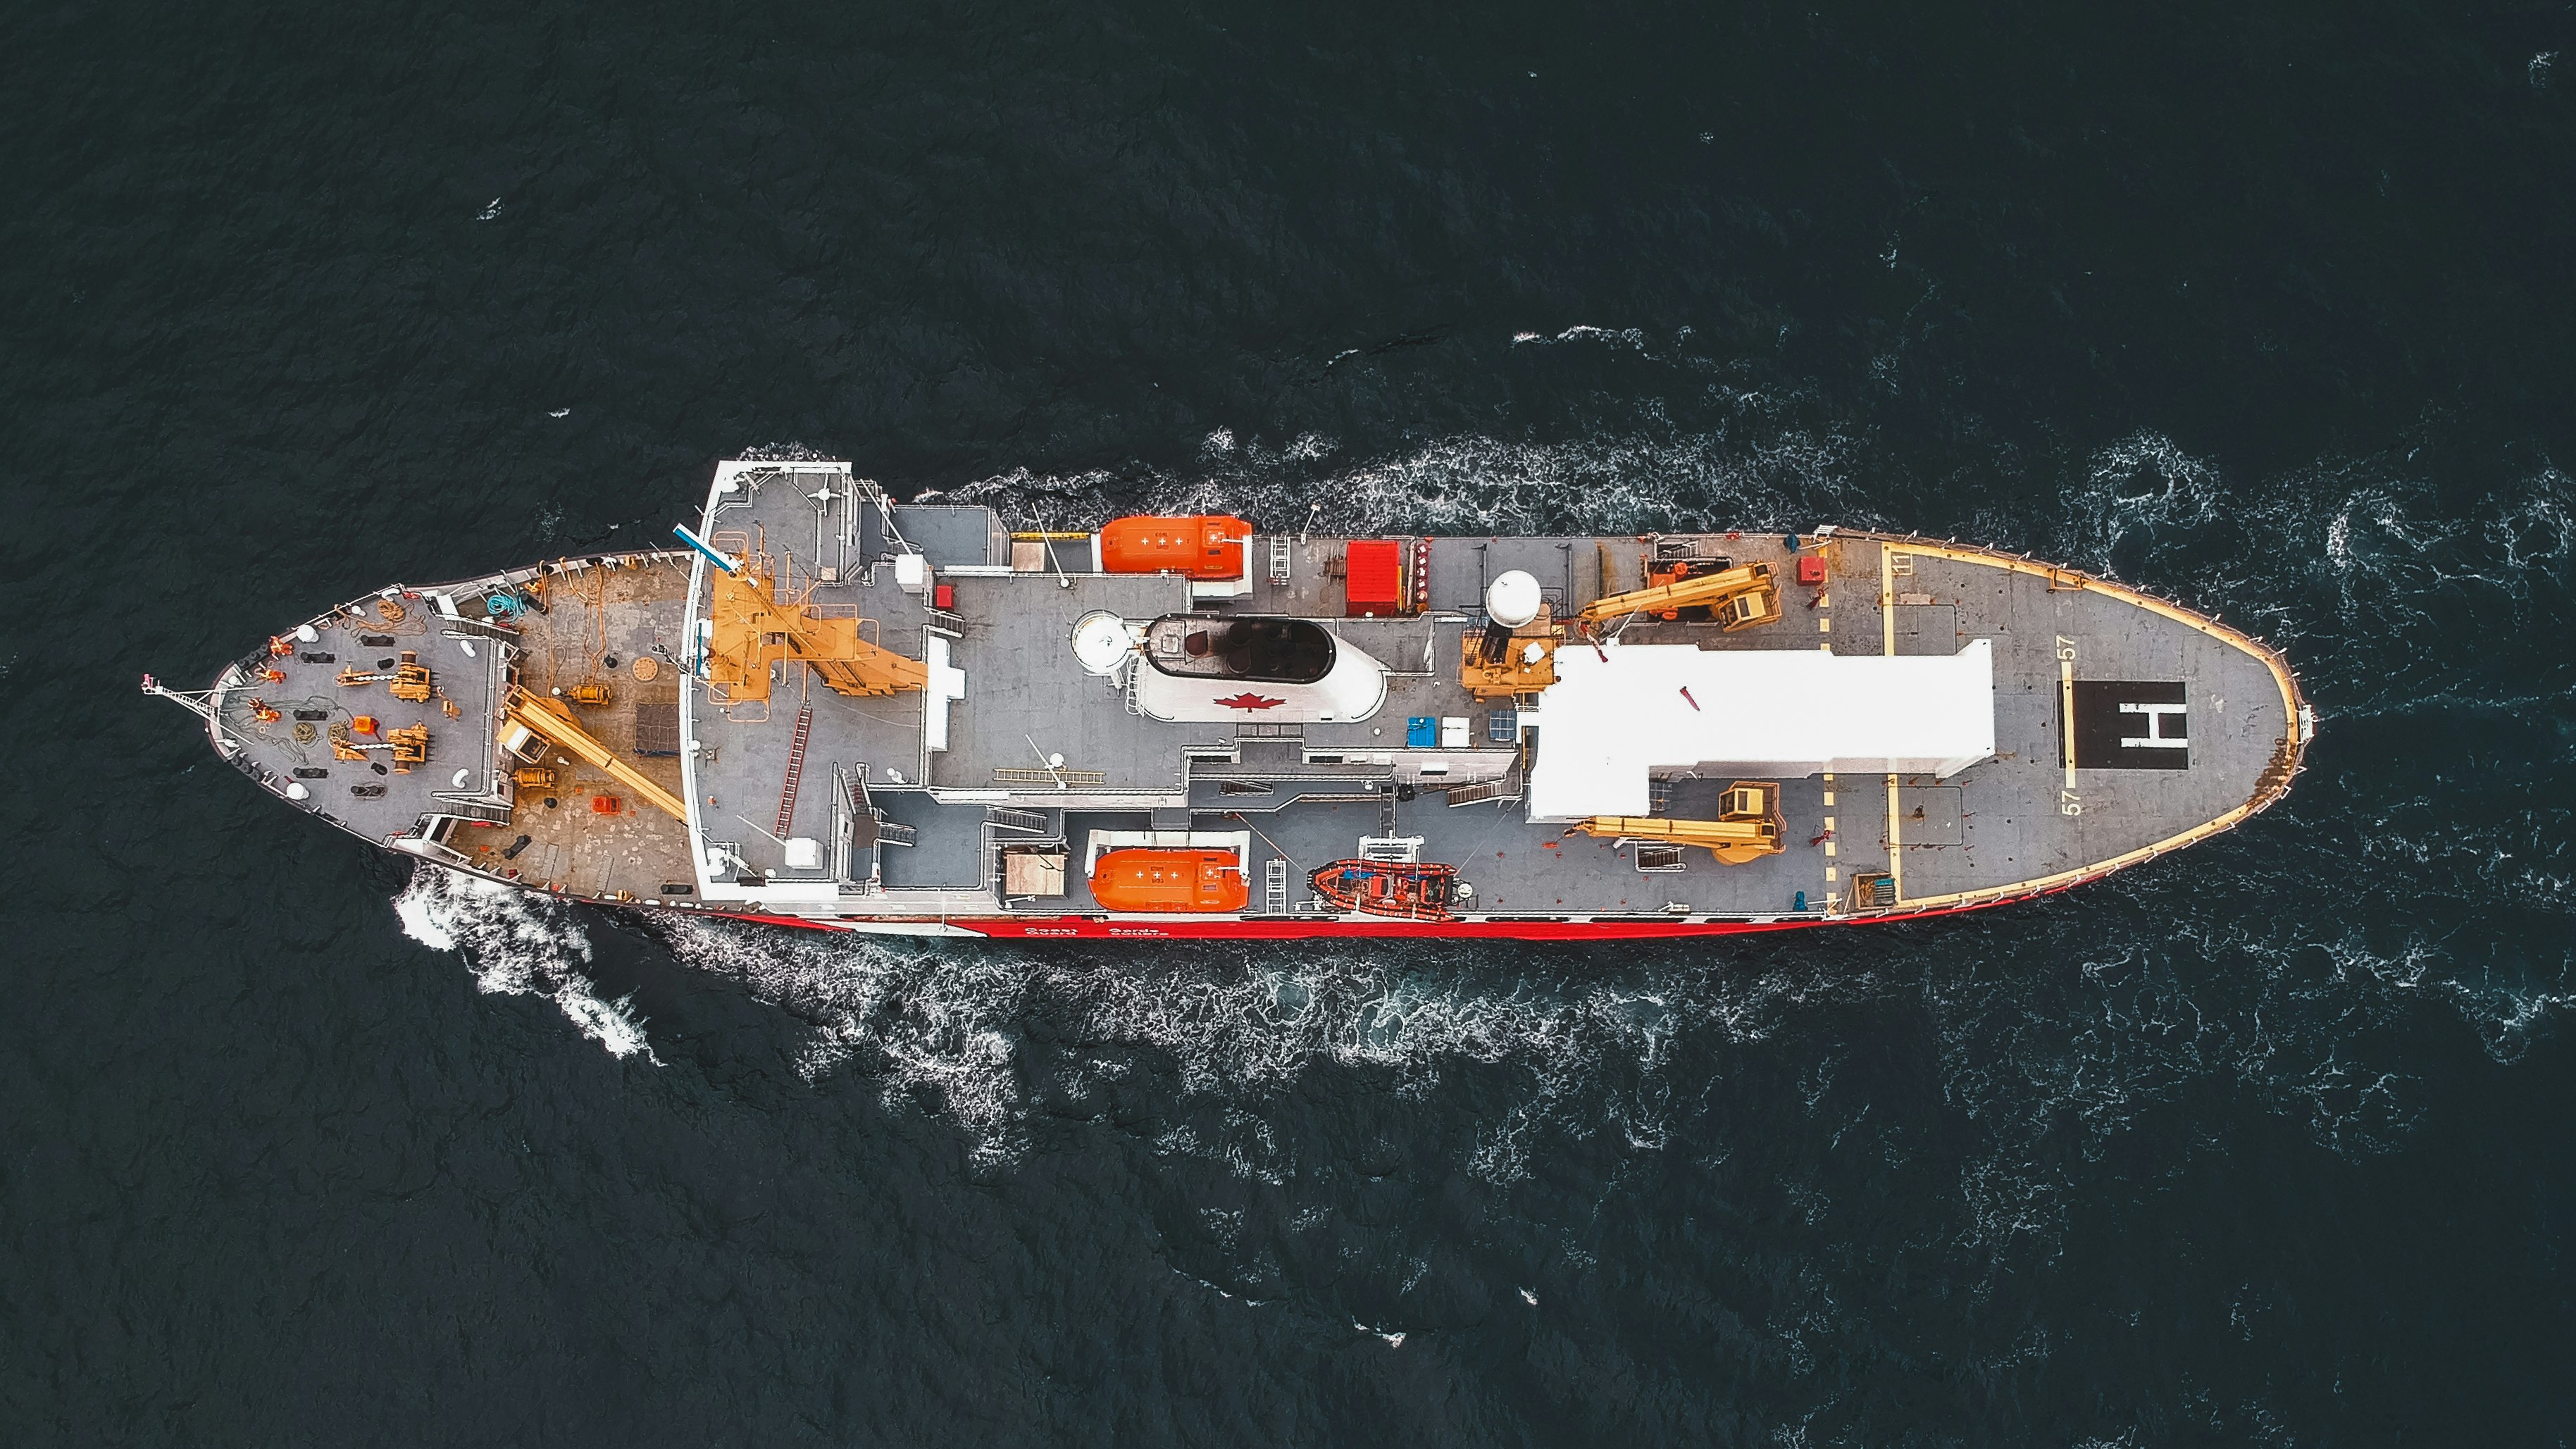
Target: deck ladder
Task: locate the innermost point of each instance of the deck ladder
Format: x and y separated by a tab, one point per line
1279	570
795	771
1274	886
863	802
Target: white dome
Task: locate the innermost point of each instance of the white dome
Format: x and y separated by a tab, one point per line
1513	599
1101	642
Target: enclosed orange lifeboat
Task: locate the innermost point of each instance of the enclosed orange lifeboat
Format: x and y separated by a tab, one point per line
1207	546
1170	880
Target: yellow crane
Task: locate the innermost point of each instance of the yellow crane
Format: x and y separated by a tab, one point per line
1747	828
551	720
754	629
1739	598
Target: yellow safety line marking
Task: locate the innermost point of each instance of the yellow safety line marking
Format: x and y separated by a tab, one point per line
1887	643
1886	598
2066	708
1895	844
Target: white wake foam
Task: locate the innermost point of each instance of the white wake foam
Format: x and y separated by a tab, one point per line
517	943
944	1022
1765	477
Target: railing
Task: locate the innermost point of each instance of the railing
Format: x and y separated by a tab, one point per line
1019	775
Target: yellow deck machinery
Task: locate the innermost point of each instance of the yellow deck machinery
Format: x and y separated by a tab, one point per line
409	678
1747	826
408	745
1738	598
754	628
552	723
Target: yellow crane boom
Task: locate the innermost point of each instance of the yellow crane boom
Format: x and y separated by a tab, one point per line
754	629
1747	828
1752	589
556	724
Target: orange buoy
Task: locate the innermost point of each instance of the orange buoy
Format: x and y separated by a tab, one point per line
1170	880
1203	546
364	724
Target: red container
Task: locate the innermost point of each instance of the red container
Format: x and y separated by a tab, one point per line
1376	582
1811	569
944	595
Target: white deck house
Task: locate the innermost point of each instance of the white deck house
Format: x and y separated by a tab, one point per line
1613	718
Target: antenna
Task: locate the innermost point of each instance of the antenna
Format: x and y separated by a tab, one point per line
1053	764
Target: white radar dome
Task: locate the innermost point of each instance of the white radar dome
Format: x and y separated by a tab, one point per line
1101	642
1512	599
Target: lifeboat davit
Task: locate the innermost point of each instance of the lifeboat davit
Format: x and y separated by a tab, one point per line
1170	880
1203	546
1406	890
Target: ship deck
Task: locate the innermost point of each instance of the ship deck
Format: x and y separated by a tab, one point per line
1308	794
1041	757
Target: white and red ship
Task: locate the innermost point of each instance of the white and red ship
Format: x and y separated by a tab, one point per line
825	708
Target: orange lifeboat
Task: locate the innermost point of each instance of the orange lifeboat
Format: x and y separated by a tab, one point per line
1169	880
1207	546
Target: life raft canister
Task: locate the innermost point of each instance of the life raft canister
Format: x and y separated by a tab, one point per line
1204	546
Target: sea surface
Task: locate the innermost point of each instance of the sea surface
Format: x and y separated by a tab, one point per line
2271	308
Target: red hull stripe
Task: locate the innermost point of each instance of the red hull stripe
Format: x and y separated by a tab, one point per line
1075	928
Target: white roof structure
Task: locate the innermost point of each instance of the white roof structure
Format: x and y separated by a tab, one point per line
1760	713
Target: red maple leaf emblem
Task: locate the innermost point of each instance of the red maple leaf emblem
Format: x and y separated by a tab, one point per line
1249	700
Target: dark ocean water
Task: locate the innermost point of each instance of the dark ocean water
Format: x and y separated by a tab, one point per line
2269	1143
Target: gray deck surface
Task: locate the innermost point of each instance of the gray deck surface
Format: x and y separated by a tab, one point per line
461	743
1022	685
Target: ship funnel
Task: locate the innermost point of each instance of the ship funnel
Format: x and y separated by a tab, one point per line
1512	599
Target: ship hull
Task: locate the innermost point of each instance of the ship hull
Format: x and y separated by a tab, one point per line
905	721
998	928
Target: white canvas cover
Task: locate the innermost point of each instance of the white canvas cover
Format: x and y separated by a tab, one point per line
1759	713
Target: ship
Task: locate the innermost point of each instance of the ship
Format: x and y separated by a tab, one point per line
816	705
